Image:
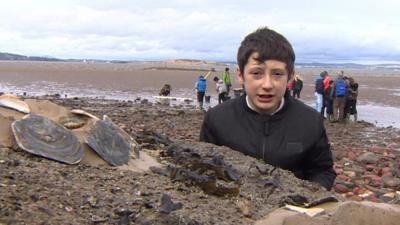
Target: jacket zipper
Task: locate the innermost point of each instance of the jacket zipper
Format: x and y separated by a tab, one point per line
265	139
263	148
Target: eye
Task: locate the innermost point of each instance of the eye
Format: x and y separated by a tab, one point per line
257	74
279	73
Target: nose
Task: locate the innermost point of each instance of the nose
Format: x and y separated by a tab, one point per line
267	81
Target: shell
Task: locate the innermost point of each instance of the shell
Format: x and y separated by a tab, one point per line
84	113
41	136
13	102
72	122
111	142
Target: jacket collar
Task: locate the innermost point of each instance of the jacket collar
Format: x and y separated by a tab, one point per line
276	115
277	110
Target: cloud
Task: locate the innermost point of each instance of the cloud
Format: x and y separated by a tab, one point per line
204	29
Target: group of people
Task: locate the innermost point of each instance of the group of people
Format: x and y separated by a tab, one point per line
336	98
223	87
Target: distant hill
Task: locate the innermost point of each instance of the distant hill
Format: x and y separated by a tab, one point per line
196	62
11	56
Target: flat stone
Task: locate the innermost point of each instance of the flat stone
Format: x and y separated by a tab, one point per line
368	157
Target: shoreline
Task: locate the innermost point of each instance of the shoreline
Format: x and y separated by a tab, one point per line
367	111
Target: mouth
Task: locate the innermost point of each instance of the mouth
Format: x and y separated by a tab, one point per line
265	98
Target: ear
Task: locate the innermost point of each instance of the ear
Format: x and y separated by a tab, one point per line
240	76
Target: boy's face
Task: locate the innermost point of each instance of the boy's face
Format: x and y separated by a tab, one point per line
264	82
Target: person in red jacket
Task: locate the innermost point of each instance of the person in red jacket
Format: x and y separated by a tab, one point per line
325	97
266	122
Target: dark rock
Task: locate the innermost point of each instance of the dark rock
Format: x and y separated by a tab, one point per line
167	205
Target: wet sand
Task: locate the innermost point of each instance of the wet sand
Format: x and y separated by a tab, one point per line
379	92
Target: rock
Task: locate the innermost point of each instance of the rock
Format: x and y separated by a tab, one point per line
368	157
386	171
391	182
244	207
348	184
388	197
343	177
372	180
370	167
372	198
358	191
340	188
356	198
351	155
378	150
350	174
359	182
338	170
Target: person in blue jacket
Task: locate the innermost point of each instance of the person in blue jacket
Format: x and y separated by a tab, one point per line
200	87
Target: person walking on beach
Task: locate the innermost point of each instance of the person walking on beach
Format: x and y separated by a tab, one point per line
227	80
200	87
319	91
339	101
297	86
221	90
265	122
351	100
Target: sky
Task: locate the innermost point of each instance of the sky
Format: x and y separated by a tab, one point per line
339	31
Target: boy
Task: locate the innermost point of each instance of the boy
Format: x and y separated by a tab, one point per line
265	123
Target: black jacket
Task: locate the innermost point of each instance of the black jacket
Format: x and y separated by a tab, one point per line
292	139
